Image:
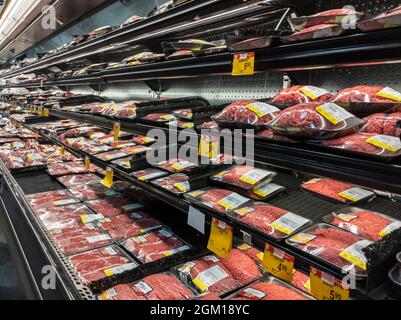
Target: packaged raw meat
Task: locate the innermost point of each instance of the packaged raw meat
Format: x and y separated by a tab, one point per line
314	120
125	163
79	238
111	155
159	117
113	109
176	165
253	253
367	143
127	112
97	149
274	222
51	199
149	174
113	206
385	20
367	224
219	276
220	200
122	144
176	183
368	99
210	125
340	248
315	32
64	168
84	131
154	245
121	186
244	177
160	286
62	216
301	281
264	191
143	140
382	123
302	94
100	263
269	134
185	114
334	16
207	296
337	190
130	20
109	138
136	151
180	124
125	226
91	190
269	288
77	179
246	113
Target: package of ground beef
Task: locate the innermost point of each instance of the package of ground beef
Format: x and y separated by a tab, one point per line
383	123
340	248
315	120
385	20
244	177
219	200
368	143
247	114
272	221
315	32
334	16
302	94
365	223
338	191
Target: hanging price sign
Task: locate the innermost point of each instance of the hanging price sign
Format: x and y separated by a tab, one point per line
221	238
108	178
278	263
116	130
326	287
244	64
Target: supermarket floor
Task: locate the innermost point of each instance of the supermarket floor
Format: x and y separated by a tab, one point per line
10	288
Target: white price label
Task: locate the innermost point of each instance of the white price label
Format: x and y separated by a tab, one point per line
232	201
209	277
254	176
334	113
355	194
100	237
289	223
196	219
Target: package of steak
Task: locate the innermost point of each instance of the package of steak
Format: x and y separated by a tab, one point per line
320	31
176	165
342	249
334	16
101	263
377	145
337	191
184	114
128	225
244	177
91	190
72	167
111	155
382	123
126	112
246	114
159	286
77	179
219	200
269	288
123	163
181	54
385	20
158	118
315	120
176	183
154	245
136	151
149	174
368	224
301	94
369	99
97	149
219	276
139	139
113	206
181	124
271	221
51	199
80	238
109	138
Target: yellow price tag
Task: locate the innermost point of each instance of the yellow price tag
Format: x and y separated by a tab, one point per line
328	115
209	146
278	263
116	130
221	238
326	287
108	178
46	112
87	163
62	151
244	64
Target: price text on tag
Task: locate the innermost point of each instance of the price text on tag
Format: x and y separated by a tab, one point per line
221	238
326	287
278	263
244	64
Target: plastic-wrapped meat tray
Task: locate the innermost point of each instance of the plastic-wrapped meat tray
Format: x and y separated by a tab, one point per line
91	190
113	206
301	94
123	163
73	167
111	155
51	199
77	179
149	174
176	183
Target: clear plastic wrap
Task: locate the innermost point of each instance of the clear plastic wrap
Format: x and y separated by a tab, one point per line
176	165
51	199
149	174
128	225
113	206
125	163
154	245
274	222
136	150
160	286
338	191
72	167
269	134
246	113
219	276
367	224
337	247
219	200
159	117
385	20
176	183
315	32
139	139
253	253
97	149
382	123
302	94
100	263
367	143
91	190
111	155
185	114
244	177
314	120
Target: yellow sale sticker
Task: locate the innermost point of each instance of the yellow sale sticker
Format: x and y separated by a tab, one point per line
326	287
244	64
278	263
221	238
